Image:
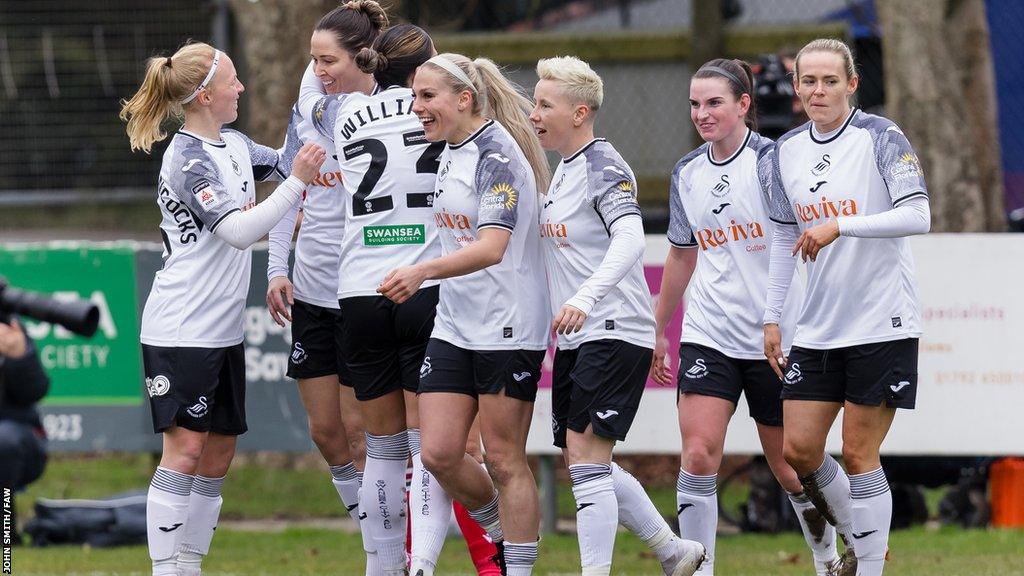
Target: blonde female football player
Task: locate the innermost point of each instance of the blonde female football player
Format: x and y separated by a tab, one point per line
593	244
850	190
192	322
720	233
491	330
311	304
388	169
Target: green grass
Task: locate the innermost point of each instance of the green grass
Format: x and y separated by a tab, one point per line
255	491
916	552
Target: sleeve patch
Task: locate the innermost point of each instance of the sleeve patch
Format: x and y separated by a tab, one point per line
907	168
206	194
501	196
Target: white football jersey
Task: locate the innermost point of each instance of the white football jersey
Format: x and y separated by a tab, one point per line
388	170
198	297
484	182
590	190
859	290
318	247
722	209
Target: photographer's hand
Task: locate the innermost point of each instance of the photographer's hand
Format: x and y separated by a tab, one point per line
13	343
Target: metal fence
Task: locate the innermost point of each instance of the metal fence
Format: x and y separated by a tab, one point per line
64	67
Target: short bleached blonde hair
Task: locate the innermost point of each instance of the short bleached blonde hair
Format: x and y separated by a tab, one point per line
577	78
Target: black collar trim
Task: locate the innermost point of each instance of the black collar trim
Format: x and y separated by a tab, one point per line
582	150
472	136
838	133
735	155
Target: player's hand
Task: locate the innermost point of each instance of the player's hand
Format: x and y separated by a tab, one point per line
307	162
815	238
773	349
661	372
569	319
12	340
280	299
401	283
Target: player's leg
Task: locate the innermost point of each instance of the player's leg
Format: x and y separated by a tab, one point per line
764	398
374	369
479	544
881	378
168	497
710	384
589	459
180	383
205	502
507	384
813	391
225	415
430	506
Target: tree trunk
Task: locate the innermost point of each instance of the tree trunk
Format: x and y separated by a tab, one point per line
707	34
272	40
940	89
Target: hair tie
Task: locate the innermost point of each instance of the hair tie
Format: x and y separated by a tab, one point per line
453	69
728	76
167	62
209	76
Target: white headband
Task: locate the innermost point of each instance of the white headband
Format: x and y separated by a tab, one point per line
453	69
209	76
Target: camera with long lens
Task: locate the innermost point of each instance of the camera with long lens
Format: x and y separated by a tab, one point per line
774	97
79	316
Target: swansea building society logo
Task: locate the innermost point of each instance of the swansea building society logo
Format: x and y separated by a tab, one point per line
391	235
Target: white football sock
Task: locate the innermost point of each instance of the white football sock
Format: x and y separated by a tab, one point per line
430	509
638	514
697	509
520	558
872	515
828	488
166	515
204	505
819	534
597	515
487	517
384	490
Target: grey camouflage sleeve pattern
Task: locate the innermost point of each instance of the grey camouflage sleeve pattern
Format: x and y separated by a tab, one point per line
611	185
264	159
780	210
292	142
765	176
325	112
898	164
198	185
680	233
501	180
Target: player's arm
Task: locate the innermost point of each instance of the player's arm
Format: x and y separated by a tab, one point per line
500	186
242	229
781	261
901	171
279	287
679	267
488	249
616	203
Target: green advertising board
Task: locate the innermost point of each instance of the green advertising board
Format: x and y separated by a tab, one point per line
100	371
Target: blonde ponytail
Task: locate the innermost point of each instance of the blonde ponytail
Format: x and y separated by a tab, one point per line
168	81
505	101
